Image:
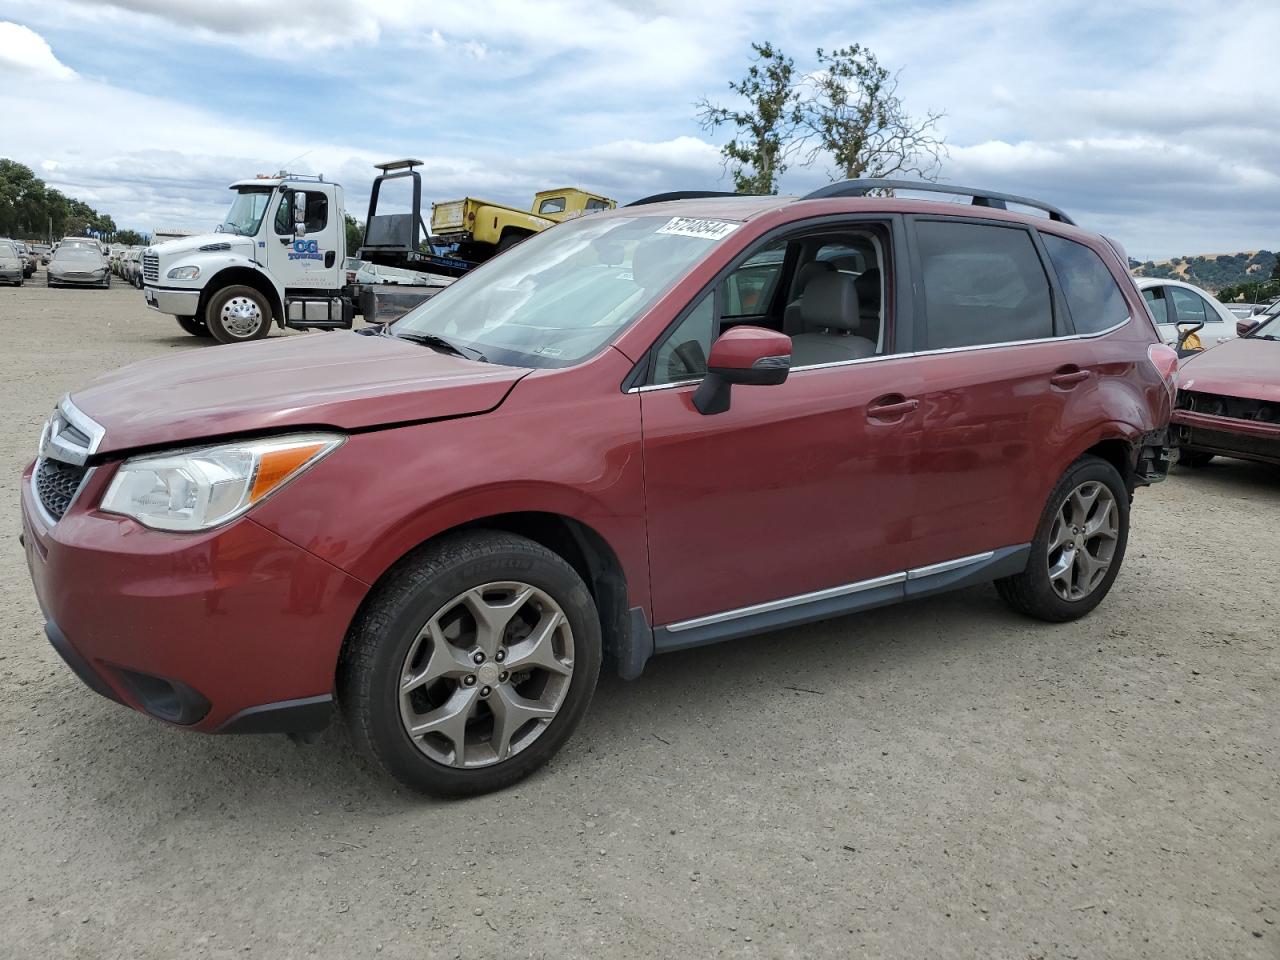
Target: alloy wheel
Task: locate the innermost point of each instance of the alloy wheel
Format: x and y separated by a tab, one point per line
1082	541
486	675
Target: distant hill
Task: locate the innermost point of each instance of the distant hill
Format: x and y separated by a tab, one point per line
1213	271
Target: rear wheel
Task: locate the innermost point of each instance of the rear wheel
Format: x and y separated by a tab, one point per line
197	328
1193	458
1078	547
238	314
471	665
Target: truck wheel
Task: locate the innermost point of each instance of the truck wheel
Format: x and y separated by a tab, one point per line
509	240
471	664
1078	547
197	328
238	314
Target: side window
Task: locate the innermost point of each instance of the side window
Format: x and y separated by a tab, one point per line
982	284
552	205
284	215
1093	296
683	354
748	291
1156	301
1190	307
593	205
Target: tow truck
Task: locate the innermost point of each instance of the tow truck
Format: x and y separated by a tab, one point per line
279	257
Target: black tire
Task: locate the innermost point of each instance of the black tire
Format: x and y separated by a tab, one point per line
509	240
197	328
1031	592
1193	458
403	602
213	314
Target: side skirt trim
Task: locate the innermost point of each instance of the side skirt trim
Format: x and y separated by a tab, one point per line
842	600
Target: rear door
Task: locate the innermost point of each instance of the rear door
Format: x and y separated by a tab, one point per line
1001	382
1192	308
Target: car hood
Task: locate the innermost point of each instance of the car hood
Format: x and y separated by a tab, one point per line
344	380
174	248
1244	367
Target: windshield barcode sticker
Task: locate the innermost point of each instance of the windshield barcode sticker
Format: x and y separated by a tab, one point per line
706	229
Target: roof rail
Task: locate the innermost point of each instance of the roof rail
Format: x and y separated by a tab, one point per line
981	198
681	195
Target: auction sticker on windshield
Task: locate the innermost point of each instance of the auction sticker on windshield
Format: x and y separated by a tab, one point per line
706	229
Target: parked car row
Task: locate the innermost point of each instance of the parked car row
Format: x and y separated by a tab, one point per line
126	263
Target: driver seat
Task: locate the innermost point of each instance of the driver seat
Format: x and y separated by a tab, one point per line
832	322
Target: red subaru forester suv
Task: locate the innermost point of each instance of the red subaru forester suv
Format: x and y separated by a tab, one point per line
676	423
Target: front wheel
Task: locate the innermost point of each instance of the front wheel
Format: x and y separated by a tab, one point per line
197	328
238	314
471	665
1078	547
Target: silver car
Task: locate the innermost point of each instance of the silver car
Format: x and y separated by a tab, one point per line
11	263
78	264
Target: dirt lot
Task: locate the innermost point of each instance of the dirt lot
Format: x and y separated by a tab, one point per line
941	779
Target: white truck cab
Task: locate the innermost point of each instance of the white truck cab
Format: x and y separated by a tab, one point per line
276	257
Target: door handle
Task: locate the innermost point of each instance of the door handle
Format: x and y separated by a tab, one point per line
892	407
1069	378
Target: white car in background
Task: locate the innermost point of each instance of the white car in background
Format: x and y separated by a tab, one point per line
1174	301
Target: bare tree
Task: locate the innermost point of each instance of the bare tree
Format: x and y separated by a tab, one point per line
854	115
766	127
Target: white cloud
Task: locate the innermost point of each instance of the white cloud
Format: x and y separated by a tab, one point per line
23	50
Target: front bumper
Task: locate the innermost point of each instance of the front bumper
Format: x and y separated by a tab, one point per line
179	303
78	280
231	630
1228	436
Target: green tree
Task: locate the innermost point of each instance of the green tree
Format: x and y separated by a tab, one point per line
131	238
355	234
854	116
766	124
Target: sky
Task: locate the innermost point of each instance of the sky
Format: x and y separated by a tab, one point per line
1156	123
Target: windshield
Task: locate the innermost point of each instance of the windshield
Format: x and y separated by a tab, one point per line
561	295
247	210
77	252
1269	328
7	249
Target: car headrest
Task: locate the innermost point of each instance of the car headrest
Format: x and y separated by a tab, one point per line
830	301
806	273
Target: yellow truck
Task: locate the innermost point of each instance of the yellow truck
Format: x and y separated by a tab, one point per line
481	228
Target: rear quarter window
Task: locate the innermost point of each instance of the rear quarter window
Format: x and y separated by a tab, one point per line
1093	296
982	285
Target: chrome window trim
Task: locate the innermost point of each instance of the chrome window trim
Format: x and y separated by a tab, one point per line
782	604
649	387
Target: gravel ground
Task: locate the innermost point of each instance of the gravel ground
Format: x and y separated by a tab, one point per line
939	779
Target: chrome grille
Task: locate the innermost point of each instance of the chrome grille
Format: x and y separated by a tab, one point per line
67	442
150	267
56	485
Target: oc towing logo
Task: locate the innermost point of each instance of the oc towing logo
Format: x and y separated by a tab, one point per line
305	250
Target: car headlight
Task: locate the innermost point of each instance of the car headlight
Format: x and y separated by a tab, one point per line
201	488
184	273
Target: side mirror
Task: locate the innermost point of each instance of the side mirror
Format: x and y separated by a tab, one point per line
751	356
1245	327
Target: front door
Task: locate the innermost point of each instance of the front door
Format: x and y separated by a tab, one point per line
308	262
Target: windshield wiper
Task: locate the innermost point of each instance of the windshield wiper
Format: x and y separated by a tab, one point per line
440	343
